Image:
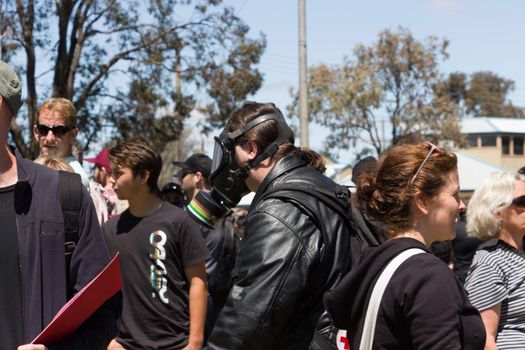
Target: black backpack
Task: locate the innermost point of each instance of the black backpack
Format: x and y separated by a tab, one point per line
70	195
365	231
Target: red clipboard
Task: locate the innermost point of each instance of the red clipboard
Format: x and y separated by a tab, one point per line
106	284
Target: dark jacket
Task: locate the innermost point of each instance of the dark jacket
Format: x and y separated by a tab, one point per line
40	226
423	307
286	265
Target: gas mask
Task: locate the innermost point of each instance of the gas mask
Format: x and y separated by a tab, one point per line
228	179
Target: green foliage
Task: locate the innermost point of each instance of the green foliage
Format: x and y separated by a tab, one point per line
480	94
386	85
233	81
129	66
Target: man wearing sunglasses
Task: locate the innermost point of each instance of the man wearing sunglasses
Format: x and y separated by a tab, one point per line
32	252
194	176
56	132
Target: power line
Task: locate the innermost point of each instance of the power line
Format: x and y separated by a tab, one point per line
280	56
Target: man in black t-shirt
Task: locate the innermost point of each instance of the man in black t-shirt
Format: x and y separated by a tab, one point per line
194	176
162	257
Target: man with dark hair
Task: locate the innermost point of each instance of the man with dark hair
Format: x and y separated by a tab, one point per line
162	257
32	252
364	166
172	192
193	175
296	247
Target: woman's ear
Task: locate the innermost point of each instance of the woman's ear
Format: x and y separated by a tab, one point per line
420	203
499	216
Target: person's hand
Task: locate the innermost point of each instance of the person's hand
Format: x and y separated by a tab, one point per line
115	345
32	347
191	347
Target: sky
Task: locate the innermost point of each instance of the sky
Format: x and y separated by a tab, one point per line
484	35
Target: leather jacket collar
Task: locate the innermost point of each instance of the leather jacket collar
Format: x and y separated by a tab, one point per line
283	166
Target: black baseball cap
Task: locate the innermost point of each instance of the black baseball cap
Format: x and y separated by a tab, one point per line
197	162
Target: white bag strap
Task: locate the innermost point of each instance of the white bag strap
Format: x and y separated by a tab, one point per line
367	337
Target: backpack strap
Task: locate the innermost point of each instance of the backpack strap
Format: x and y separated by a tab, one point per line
337	201
369	326
70	194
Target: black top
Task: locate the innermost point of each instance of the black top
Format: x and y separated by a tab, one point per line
11	323
464	247
154	252
423	307
221	258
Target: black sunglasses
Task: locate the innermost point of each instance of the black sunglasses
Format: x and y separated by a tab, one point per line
519	202
57	130
185	172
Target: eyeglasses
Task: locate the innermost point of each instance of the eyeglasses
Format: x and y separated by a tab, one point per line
432	149
58	130
183	173
519	202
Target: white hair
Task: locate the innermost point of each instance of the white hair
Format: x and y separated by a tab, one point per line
493	195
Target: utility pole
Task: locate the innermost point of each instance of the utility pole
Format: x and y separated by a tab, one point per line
303	88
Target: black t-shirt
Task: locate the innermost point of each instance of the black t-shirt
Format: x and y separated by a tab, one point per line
154	251
11	322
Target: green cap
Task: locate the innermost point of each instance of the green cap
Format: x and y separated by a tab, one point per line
10	88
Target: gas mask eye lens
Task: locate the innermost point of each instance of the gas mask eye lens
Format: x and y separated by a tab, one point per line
218	158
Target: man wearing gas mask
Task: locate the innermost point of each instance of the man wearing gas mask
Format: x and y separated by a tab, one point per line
295	246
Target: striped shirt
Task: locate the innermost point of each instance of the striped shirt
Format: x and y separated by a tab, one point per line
497	275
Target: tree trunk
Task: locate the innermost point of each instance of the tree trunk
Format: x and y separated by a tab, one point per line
64	9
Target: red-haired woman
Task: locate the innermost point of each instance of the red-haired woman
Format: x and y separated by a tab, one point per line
420	305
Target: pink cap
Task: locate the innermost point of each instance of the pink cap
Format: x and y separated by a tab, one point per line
102	159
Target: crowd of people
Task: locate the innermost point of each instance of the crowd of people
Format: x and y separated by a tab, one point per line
308	265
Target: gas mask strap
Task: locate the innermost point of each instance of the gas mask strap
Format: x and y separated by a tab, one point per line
268	152
243	129
284	135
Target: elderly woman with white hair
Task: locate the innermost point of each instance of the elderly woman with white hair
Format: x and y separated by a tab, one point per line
496	278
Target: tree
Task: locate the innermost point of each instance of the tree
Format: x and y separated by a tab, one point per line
233	81
480	94
394	78
488	96
116	58
219	63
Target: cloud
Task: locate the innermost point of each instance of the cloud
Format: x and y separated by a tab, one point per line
448	7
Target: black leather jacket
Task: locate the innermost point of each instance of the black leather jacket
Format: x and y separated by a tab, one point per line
286	265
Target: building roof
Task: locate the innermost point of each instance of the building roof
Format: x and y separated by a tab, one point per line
472	171
491	125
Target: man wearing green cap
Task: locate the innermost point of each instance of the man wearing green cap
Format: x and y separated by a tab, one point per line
32	246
